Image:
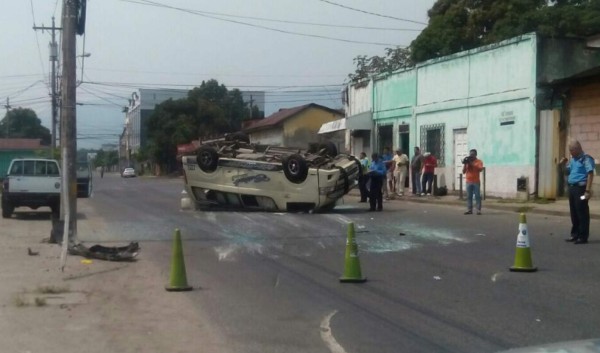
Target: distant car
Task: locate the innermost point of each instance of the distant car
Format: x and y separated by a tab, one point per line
128	173
84	179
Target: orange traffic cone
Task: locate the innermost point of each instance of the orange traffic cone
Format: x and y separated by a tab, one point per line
352	271
523	261
178	282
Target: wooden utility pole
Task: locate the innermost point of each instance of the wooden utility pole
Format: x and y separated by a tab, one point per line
68	130
53	59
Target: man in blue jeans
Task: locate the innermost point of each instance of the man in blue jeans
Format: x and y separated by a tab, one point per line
580	171
471	169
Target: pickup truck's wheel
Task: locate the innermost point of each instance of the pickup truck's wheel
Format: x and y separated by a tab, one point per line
7	210
295	168
329	148
207	158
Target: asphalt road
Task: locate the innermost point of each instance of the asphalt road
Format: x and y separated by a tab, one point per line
438	280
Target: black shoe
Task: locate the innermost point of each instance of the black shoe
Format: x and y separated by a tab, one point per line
580	241
371	209
380	209
571	239
469	212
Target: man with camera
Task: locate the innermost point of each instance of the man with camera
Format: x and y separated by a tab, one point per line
472	167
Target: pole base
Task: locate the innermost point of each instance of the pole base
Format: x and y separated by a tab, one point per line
353	280
178	289
523	269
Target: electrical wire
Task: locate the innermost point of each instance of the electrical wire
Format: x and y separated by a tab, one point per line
372	13
197	13
290	21
38	43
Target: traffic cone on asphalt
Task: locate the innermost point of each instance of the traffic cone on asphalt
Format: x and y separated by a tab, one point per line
523	261
352	271
178	282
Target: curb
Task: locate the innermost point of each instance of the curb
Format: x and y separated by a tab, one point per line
531	208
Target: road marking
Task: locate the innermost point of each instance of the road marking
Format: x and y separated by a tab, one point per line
495	276
327	336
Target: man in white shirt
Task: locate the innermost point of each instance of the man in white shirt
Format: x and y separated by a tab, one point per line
401	162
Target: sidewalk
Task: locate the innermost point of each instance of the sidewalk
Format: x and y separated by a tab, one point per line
559	207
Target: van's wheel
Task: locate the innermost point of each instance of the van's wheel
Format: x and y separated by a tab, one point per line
7	210
295	168
330	149
207	158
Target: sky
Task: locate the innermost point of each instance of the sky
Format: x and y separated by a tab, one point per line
245	44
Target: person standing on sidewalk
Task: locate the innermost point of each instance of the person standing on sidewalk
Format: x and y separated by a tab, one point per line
377	172
416	164
388	177
429	164
472	166
580	171
401	168
364	177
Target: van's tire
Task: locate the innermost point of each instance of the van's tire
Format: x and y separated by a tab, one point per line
207	158
295	168
7	210
330	149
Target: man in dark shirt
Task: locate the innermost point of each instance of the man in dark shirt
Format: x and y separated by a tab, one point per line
580	171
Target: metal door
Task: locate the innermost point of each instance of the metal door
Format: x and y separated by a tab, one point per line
461	150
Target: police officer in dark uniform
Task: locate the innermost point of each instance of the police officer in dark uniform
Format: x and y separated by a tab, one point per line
377	171
580	171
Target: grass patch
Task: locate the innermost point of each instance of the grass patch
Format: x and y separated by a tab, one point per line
524	209
52	289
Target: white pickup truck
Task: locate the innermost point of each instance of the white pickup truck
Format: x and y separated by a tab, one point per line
31	183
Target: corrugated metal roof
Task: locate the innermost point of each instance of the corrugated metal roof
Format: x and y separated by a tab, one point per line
283	114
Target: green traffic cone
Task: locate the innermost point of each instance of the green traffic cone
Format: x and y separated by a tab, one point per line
178	282
523	261
352	273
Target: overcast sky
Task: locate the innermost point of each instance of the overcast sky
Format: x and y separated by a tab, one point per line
241	43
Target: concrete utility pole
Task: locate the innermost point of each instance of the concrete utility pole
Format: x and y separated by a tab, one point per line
53	59
68	127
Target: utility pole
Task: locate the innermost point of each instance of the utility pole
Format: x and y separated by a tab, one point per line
68	127
7	106
53	59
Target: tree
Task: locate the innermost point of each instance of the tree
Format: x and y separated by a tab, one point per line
394	59
456	25
209	111
24	123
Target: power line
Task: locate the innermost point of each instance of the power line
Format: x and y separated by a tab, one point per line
167	85
372	13
37	41
198	13
292	22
